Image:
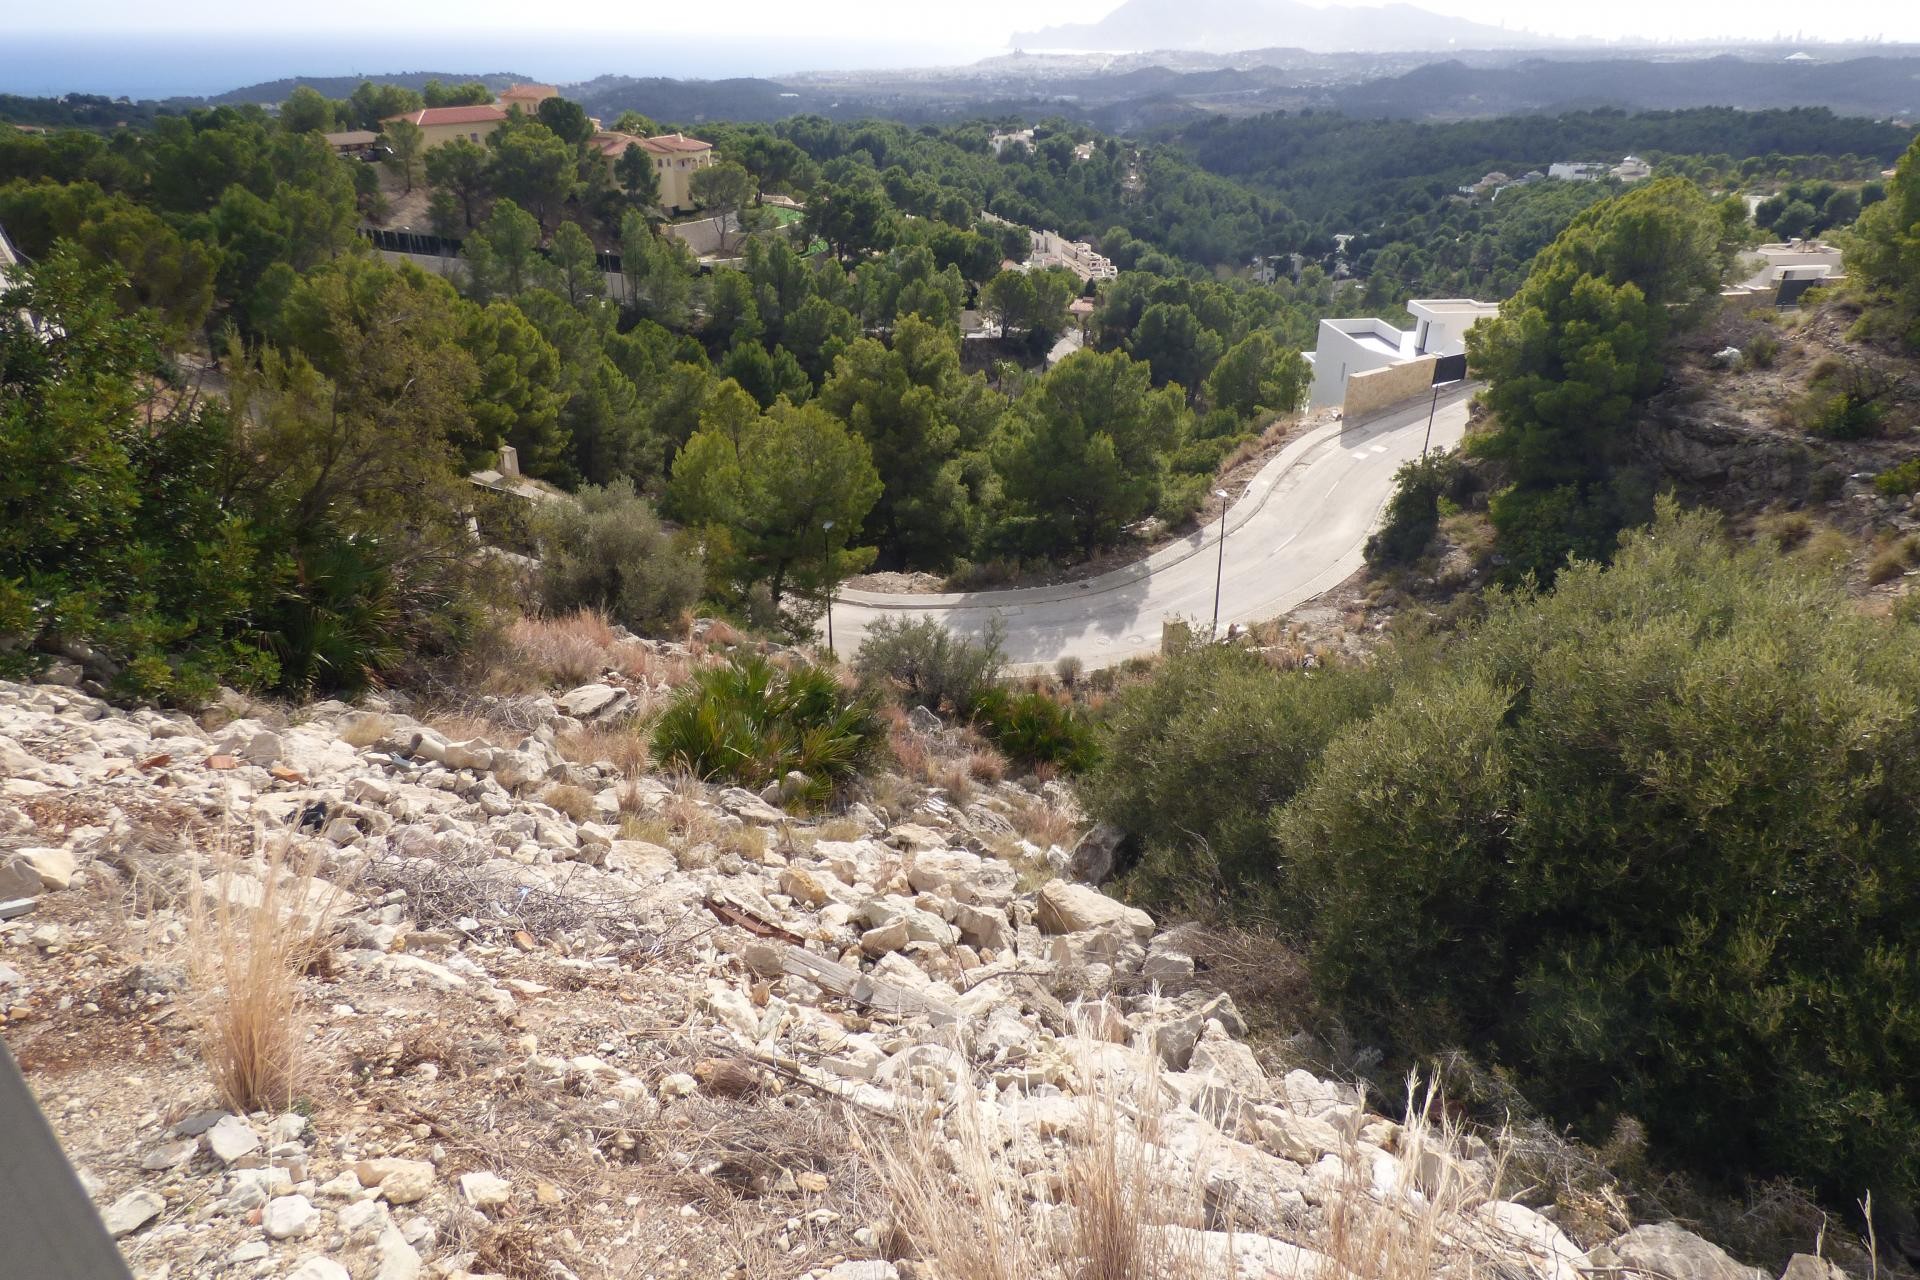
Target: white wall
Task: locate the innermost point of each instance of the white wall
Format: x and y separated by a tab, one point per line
1339	354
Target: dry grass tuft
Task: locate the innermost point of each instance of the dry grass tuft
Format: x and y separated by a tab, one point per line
248	942
575	802
1127	1209
569	650
955	777
364	729
1419	1228
986	765
1044	825
624	747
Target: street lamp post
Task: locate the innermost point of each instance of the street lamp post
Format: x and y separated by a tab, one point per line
1432	410
1220	564
826	569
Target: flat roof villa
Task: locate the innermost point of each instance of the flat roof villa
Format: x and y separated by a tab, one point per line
1347	347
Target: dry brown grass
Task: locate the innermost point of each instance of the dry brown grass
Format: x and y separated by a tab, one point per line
1893	560
985	764
575	802
364	729
746	840
1419	1228
955	777
571	649
1041	823
623	746
248	941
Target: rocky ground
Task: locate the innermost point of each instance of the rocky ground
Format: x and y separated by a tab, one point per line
564	1019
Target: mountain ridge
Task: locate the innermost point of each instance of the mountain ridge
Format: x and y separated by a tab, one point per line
1228	25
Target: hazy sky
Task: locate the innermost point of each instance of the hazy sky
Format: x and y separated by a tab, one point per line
932	22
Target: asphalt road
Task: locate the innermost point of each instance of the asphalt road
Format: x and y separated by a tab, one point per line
1296	531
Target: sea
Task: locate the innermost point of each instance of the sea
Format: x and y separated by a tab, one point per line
149	64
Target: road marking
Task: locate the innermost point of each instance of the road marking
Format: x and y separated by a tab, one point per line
1379	448
1359	455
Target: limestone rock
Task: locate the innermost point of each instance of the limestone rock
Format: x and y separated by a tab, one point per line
1806	1266
319	1269
1065	907
131	1212
593	702
1093	855
230	1138
1668	1251
484	1189
290	1217
55	867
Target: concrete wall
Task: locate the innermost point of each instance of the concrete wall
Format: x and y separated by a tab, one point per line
1338	355
1376	389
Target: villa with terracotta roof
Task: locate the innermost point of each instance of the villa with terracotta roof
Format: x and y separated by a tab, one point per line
676	158
527	97
444	124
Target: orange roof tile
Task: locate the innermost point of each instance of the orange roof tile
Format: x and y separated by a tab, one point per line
451	115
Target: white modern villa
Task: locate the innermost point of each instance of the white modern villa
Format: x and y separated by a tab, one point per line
1347	347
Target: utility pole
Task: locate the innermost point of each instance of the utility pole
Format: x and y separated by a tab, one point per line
1432	410
1220	564
826	571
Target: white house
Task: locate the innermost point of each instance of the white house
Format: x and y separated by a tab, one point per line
1347	347
1577	170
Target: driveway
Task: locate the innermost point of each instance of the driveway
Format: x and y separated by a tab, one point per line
1296	531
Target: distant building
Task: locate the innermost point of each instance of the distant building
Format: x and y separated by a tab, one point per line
1347	347
1632	169
527	97
442	125
676	158
1577	170
1019	138
1051	249
355	143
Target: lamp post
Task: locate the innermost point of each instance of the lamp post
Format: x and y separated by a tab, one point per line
1220	564
1432	410
826	569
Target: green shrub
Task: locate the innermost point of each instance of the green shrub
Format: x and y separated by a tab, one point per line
1033	729
607	550
1413	513
1899	480
920	663
1195	759
752	723
1649	842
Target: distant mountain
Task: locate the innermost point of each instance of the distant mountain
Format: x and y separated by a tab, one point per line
1871	87
1227	25
342	86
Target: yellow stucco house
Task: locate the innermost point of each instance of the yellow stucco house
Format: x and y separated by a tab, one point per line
527	97
439	125
676	158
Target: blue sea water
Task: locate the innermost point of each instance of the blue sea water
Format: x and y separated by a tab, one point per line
139	64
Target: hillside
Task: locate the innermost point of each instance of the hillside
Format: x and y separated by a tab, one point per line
276	91
1874	87
552	1012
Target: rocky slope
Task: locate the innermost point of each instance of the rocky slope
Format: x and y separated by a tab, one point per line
564	1022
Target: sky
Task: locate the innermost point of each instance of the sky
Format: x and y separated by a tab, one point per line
968	23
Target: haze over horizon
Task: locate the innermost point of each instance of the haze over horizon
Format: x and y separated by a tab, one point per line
867	23
209	47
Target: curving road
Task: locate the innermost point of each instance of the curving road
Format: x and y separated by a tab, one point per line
1296	531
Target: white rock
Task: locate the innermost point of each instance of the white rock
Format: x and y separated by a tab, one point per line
484	1189
319	1269
1065	907
131	1212
290	1217
231	1138
398	1260
54	866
